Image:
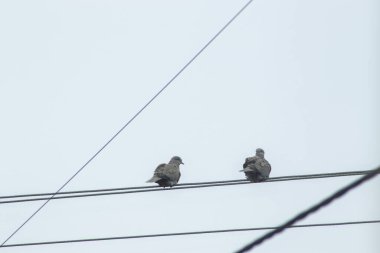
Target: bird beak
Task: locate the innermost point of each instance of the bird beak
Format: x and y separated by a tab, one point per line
182	163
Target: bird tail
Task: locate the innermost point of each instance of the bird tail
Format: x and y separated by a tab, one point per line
153	179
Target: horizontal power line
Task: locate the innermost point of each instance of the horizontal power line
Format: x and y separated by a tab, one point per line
327	201
141	189
187	233
282	178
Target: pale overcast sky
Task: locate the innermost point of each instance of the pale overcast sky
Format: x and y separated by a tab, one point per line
298	78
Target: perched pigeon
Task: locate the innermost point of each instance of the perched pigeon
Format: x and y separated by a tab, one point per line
167	174
256	168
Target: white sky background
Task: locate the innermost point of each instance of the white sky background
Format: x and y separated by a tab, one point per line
298	78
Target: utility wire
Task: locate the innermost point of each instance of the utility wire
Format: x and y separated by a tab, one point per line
187	233
272	179
141	189
135	116
311	210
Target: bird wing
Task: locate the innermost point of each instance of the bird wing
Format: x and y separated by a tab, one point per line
263	167
160	170
249	161
159	173
171	171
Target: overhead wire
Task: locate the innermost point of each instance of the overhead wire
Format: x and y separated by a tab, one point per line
132	119
310	210
295	177
186	233
142	189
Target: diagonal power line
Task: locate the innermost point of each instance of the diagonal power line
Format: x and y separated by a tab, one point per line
142	189
188	233
310	210
134	117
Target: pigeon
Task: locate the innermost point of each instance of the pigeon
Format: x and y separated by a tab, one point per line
167	174
257	168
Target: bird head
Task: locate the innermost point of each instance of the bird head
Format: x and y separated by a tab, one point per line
260	152
176	160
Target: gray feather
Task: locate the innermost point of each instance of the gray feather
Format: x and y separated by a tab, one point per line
167	174
257	168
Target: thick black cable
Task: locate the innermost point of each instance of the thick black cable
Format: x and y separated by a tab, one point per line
141	189
311	210
186	233
137	114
